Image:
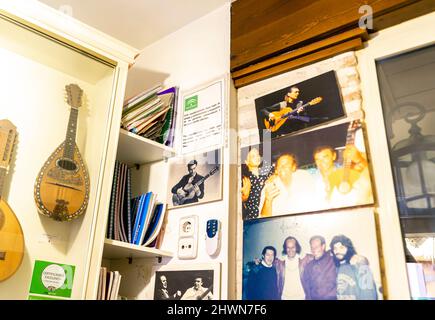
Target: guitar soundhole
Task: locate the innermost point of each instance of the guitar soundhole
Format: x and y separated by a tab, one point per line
67	164
2	219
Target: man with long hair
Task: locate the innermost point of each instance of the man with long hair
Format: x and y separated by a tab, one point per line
354	277
290	270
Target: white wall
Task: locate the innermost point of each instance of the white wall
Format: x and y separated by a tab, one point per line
188	58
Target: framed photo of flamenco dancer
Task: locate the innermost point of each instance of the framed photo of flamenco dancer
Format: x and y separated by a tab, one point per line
300	106
313	171
195	179
322	256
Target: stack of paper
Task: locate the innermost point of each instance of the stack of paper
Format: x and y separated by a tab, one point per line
151	114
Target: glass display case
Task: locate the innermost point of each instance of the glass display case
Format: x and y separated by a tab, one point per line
42	51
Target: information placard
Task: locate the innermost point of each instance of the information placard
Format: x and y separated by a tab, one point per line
203	118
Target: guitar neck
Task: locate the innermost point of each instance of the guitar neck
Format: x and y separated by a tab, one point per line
2	180
350	139
202	180
71	134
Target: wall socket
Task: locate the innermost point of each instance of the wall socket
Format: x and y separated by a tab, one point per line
188	237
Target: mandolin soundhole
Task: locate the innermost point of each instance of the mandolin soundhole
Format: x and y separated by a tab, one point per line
67	164
2	219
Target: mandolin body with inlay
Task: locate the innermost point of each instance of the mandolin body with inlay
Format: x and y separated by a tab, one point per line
62	186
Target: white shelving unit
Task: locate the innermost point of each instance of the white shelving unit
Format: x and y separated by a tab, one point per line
117	250
134	149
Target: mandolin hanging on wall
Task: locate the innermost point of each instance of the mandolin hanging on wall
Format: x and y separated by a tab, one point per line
11	234
62	186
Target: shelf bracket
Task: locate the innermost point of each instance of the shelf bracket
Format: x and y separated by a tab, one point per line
130	260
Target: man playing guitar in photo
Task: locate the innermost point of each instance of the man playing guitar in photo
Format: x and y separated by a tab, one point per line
192	178
290	100
290	108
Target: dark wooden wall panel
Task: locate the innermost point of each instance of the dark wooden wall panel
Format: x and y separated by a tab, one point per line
261	29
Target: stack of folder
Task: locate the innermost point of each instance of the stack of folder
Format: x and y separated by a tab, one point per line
137	220
152	114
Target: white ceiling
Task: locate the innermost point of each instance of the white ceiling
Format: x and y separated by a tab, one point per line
136	22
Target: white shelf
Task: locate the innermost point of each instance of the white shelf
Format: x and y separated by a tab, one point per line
134	149
117	250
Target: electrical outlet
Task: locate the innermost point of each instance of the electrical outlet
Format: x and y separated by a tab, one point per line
188	237
188	226
187	248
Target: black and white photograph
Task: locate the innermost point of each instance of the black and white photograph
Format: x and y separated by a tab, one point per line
299	106
187	282
327	256
195	179
312	171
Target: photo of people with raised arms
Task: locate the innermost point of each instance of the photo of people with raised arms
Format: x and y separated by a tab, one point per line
327	256
314	171
255	171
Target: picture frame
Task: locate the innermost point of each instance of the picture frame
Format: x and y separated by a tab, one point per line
319	99
315	243
207	177
182	281
312	171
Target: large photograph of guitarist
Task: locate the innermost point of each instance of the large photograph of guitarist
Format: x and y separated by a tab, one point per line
201	183
301	106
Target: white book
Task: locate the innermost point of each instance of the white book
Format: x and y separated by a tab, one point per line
158	228
115	286
118	284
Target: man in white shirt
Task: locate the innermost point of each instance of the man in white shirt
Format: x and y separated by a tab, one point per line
197	292
289	190
330	178
290	270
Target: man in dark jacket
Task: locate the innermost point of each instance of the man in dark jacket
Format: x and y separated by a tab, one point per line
187	185
262	279
320	275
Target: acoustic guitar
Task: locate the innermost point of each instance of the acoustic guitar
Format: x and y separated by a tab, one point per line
11	234
286	113
178	199
344	178
62	187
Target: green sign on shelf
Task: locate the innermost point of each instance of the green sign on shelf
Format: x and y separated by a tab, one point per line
51	280
191	103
